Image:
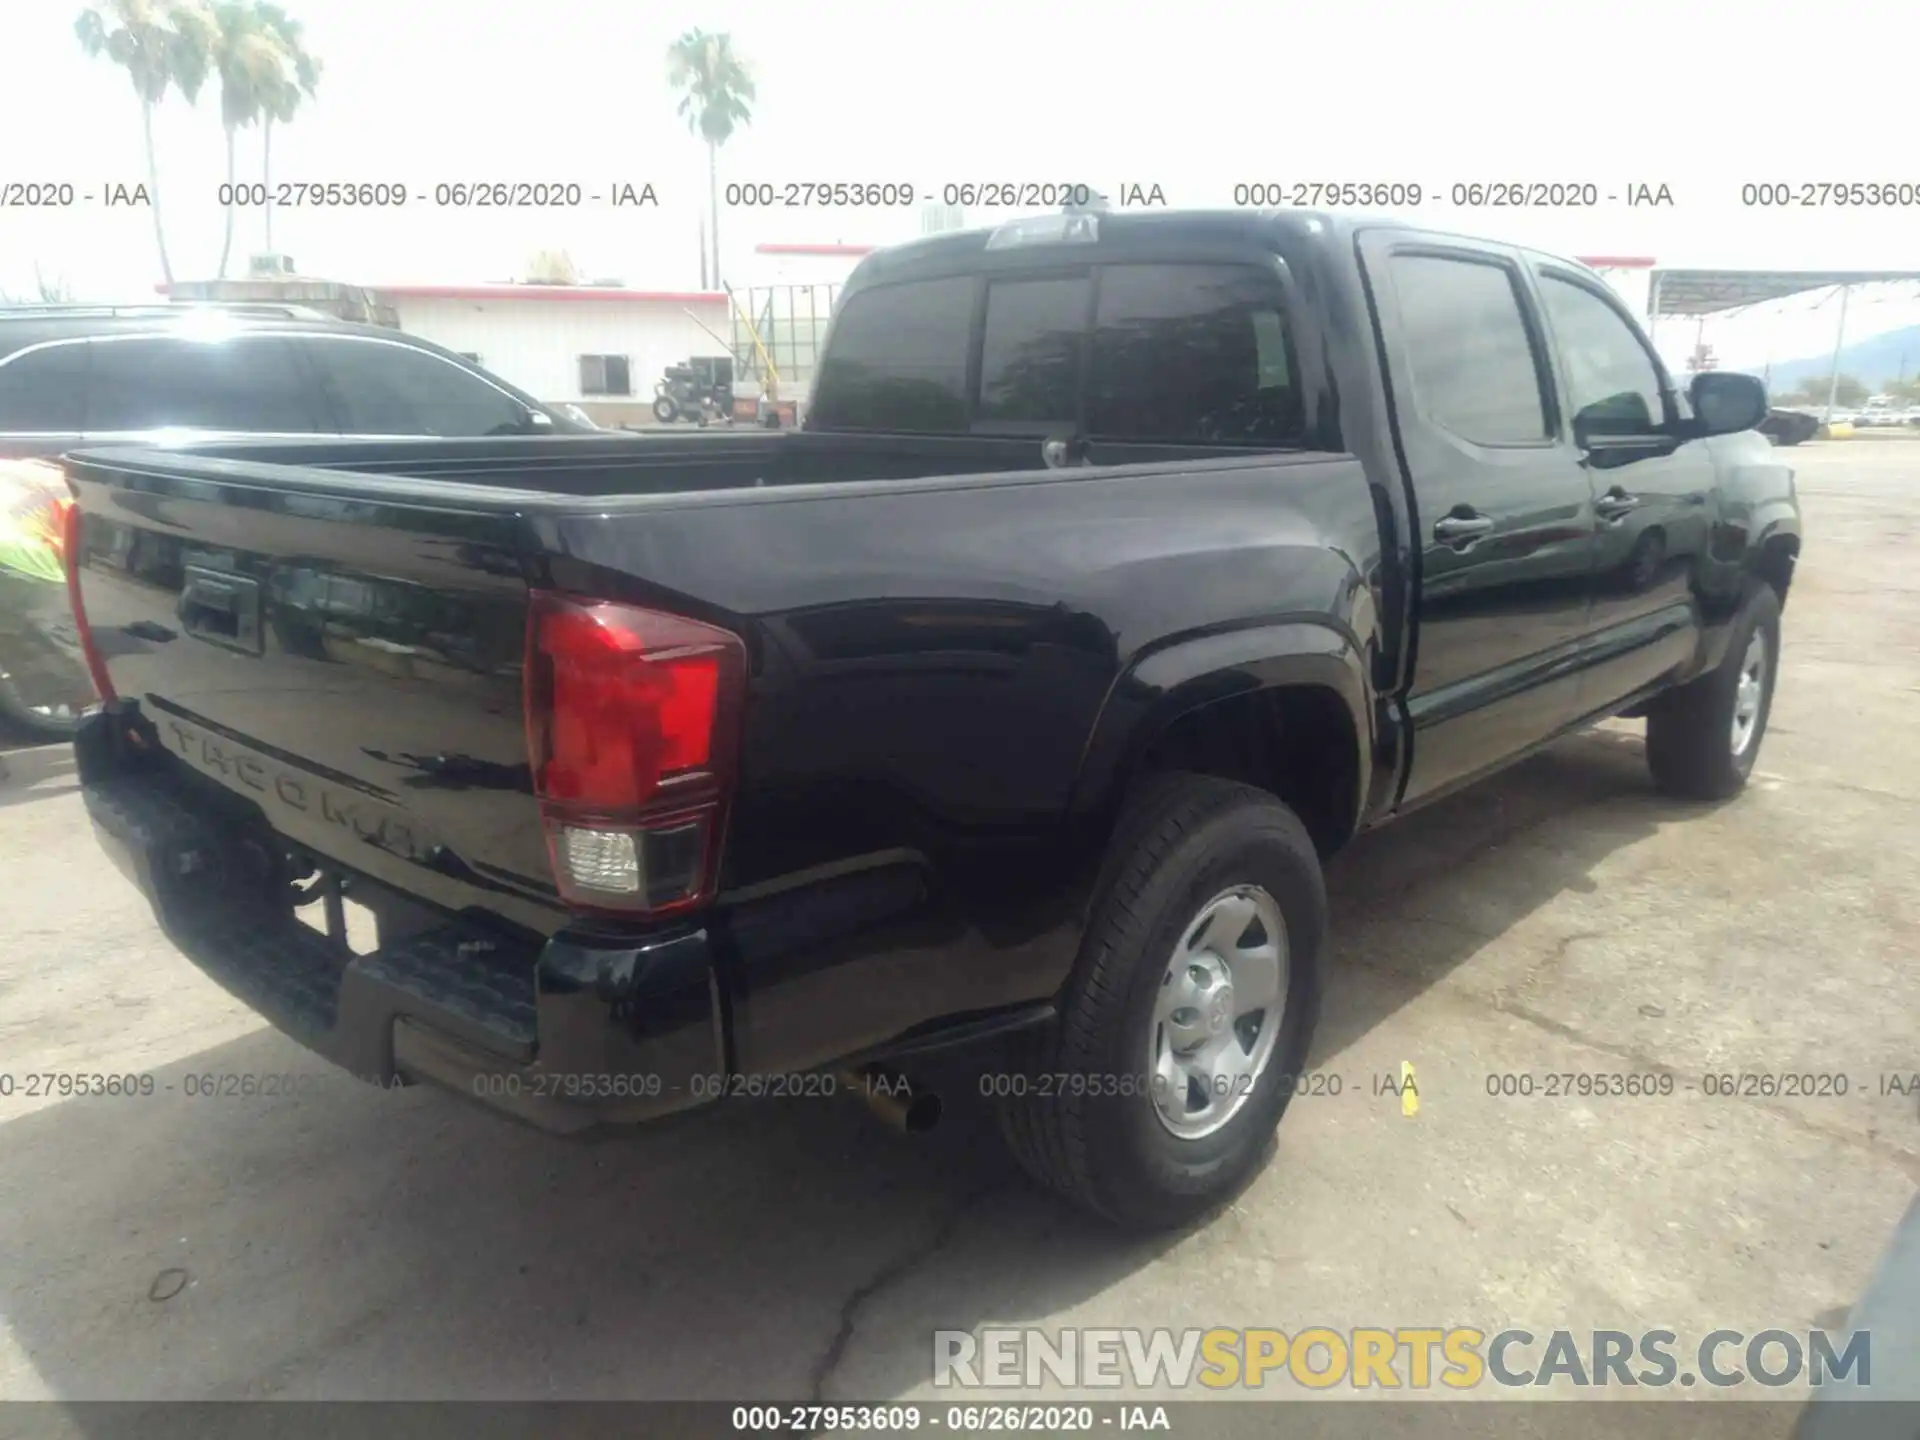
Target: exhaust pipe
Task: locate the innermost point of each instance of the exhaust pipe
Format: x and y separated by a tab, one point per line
897	1101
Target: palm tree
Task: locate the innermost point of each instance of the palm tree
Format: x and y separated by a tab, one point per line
55	291
715	94
287	90
552	267
252	65
162	45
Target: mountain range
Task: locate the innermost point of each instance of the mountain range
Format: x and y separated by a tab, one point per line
1874	362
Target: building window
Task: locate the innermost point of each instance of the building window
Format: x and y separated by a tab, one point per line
605	375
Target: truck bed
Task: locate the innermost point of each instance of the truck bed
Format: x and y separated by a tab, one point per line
325	646
643	464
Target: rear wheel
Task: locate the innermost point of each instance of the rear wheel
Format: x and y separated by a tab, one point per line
47	723
1186	1023
1703	738
664	409
1643	566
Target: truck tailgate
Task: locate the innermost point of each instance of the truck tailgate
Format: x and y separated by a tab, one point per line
351	663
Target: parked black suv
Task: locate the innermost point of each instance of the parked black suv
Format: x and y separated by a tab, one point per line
110	374
103	373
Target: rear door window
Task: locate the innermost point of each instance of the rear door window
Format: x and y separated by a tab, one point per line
1475	370
896	359
42	390
1030	353
383	388
243	383
1193	354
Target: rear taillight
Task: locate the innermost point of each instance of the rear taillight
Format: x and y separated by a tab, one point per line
633	725
74	557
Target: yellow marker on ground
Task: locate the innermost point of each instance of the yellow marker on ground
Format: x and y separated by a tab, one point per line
1409	1093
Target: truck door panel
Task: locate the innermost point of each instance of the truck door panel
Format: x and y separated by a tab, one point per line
1502	509
1653	496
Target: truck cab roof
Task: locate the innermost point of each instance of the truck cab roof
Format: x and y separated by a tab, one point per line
1111	234
1102	234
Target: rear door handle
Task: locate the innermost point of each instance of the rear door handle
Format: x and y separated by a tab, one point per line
1454	529
1615	503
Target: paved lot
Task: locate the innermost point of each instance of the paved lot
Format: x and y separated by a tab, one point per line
352	1243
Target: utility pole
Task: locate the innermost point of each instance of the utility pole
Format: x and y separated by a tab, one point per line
1839	342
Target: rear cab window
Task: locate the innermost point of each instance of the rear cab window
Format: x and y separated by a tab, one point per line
1176	352
1031	350
1193	354
897	359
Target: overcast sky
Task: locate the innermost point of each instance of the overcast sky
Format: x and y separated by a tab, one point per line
425	91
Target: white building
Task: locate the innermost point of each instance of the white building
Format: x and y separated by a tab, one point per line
602	348
593	346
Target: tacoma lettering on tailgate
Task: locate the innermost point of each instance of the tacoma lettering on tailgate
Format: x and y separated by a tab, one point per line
240	769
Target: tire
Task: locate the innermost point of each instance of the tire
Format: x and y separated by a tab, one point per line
1185	841
664	409
31	724
1692	746
1643	565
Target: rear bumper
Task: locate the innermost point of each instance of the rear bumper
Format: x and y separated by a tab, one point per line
570	1035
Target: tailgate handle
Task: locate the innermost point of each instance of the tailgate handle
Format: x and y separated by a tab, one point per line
221	609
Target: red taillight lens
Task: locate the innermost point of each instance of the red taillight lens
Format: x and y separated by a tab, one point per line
74	557
632	727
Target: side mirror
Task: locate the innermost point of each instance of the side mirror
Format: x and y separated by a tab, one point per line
1725	403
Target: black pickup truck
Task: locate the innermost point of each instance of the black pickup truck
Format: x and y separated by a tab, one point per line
1126	568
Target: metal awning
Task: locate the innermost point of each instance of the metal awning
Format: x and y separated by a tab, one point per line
1713	292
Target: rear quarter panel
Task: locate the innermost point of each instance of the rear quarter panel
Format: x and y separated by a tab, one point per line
931	667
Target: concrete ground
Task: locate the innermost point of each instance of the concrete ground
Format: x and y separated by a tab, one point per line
347	1242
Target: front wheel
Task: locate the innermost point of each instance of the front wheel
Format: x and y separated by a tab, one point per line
1703	738
664	409
1181	1035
